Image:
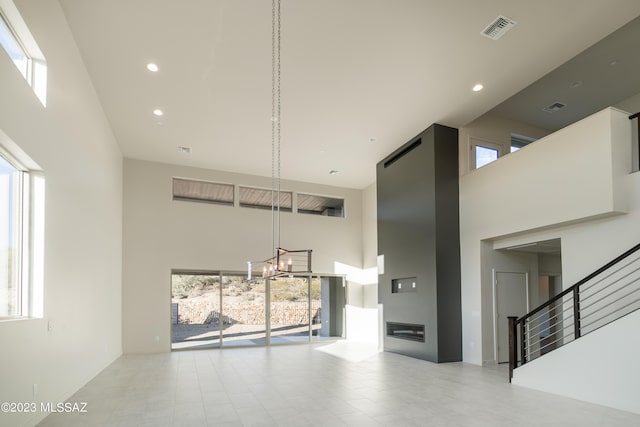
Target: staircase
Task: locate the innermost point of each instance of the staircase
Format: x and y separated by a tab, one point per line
604	296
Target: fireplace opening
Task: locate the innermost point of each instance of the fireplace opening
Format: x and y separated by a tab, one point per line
405	331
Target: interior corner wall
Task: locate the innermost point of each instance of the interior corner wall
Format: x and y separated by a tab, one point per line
369	227
161	234
72	142
370	246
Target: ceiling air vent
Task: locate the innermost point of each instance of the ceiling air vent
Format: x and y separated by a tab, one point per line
556	106
498	27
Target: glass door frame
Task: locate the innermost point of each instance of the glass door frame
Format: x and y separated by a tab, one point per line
221	273
309	278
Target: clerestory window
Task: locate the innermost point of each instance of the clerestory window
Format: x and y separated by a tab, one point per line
20	46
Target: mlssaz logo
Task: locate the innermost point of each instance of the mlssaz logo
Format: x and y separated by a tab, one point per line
65	407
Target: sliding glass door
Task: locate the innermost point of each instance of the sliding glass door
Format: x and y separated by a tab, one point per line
210	310
243	311
289	310
195	310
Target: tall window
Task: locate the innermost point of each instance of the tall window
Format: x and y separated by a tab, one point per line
11	190
21	233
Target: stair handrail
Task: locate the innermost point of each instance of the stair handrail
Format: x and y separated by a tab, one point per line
514	321
582	281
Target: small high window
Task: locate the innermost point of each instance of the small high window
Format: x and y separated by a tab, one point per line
320	205
519	141
19	44
202	191
13	48
485	155
484	152
261	198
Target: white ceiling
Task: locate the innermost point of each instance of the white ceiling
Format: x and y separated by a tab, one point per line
352	71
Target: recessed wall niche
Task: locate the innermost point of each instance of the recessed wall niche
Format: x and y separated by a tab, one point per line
418	234
408	284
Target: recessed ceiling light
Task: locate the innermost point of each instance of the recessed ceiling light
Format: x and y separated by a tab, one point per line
333	172
183	149
152	67
478	87
613	63
158	112
575	84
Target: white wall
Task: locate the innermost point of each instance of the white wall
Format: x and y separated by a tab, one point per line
362	311
582	171
600	367
369	226
370	245
550	264
161	234
72	142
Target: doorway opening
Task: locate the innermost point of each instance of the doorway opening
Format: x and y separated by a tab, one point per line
540	264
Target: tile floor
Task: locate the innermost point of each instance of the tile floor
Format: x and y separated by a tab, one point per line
317	385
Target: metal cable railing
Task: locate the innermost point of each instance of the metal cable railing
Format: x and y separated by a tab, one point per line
602	297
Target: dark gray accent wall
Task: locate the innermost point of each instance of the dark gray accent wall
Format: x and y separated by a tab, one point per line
418	234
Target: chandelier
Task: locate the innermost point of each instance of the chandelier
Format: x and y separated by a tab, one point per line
282	262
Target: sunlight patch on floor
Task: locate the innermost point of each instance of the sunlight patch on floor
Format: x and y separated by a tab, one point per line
352	351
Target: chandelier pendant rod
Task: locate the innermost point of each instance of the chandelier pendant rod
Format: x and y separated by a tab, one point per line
297	261
275	126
